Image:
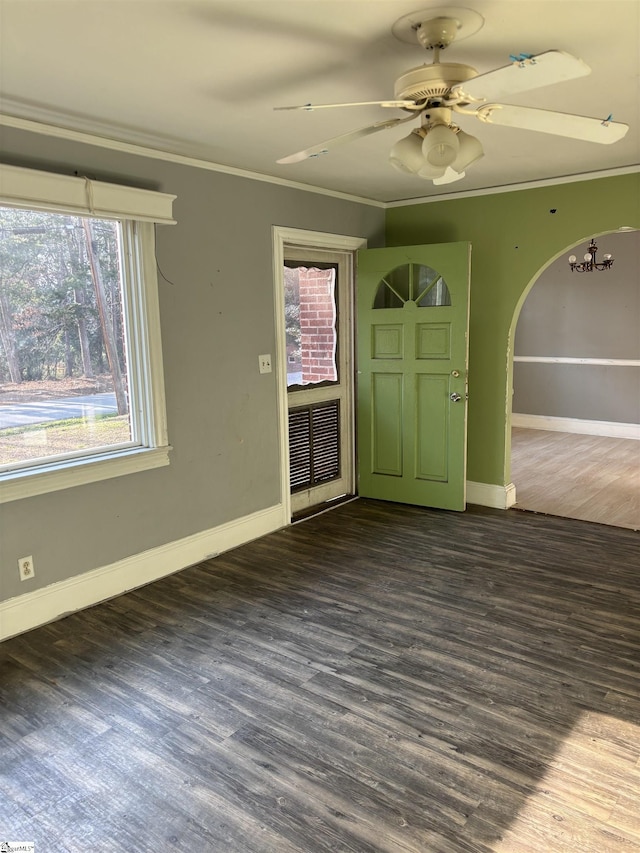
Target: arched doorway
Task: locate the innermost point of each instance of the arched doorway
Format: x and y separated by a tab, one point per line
576	389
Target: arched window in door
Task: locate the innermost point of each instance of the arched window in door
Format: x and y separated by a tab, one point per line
412	283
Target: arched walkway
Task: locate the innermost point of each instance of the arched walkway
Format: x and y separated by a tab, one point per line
576	401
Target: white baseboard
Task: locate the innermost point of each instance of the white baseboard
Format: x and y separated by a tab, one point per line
25	612
609	429
486	494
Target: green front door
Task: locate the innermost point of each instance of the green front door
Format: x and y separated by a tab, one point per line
413	315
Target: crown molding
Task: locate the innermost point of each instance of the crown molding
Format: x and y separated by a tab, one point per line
525	185
147	149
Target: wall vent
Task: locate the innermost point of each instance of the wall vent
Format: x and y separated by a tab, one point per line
314	444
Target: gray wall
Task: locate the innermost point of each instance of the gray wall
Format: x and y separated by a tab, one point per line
583	315
216	317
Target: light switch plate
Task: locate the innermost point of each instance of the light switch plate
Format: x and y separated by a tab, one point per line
264	362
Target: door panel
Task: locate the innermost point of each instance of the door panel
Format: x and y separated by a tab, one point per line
413	310
431	434
387	341
433	340
386	432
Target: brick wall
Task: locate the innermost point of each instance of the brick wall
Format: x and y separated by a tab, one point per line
318	325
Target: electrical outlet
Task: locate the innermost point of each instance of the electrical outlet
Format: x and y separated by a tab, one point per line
264	362
26	568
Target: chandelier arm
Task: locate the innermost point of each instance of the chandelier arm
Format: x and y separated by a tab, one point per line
590	264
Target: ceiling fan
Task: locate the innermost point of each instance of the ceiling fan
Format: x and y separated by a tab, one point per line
438	149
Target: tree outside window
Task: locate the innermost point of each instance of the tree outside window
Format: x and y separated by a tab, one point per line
64	379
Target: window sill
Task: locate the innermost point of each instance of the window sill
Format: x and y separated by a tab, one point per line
65	475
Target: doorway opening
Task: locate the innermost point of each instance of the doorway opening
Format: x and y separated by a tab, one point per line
314	294
318	323
575	420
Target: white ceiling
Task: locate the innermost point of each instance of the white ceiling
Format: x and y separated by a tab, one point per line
202	78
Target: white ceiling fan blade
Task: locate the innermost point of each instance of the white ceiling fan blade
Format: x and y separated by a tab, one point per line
560	124
323	147
523	75
311	107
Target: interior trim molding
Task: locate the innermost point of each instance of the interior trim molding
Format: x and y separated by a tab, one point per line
146	150
525	185
487	494
560	359
28	188
32	609
608	429
25	482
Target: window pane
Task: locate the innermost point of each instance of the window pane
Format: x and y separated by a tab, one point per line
310	321
412	283
64	387
394	289
432	290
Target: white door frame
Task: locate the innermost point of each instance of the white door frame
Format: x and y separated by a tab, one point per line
300	239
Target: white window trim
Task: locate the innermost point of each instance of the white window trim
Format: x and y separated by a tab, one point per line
62	194
27	188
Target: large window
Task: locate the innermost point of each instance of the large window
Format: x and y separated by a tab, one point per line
81	393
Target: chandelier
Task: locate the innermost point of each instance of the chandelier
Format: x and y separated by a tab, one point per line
590	263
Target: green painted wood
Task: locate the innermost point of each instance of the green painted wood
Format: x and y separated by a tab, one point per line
432	422
386	422
411	436
515	235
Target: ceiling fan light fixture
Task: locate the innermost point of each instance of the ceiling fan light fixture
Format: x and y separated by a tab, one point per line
441	146
469	150
406	154
430	172
450	175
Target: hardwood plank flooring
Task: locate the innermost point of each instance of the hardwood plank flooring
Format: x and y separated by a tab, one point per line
377	679
589	477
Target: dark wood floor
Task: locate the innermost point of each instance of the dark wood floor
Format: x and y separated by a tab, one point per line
378	679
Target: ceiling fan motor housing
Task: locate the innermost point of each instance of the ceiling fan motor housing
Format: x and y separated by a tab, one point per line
432	82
